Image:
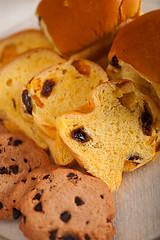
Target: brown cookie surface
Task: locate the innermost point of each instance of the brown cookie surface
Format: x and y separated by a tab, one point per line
68	205
18	156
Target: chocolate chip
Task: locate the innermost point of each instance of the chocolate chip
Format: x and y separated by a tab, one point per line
13	159
87	222
70	175
14	169
30	170
25	160
10	141
65	217
78	201
47	87
115	62
16	213
80	135
17	142
37	196
102	196
33	178
146	122
87	237
108	220
24	219
1	205
24	181
4	170
52	234
46	176
134	157
38	207
27	101
69	237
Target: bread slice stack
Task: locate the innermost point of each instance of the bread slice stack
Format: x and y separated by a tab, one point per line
120	130
14	76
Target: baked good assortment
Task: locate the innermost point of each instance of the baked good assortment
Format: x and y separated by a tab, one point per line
18	156
69	107
21	42
118	119
135	54
83	28
67	203
14	77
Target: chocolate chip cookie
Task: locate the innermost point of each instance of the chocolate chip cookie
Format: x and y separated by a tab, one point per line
18	156
70	205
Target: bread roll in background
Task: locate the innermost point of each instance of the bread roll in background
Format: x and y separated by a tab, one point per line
135	54
83	28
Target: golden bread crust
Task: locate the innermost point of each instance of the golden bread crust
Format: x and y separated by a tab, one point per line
138	44
72	30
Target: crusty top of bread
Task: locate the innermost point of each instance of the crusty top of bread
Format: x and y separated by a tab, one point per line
74	25
138	44
21	42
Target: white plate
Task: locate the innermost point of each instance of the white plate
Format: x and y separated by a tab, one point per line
137	200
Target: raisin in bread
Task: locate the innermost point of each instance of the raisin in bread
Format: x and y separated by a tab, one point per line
21	42
14	76
121	130
135	54
61	88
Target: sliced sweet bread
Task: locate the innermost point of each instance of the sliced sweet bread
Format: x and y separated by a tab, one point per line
21	42
14	76
120	127
61	88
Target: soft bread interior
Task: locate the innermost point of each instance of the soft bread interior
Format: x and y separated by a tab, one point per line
121	127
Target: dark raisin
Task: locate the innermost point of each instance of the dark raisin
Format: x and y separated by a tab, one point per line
87	222
47	87
14	169
17	142
24	181
115	62
1	205
37	196
14	103
38	207
24	219
102	196
27	101
16	213
87	237
13	159
39	18
80	135
157	147
134	157
146	122
33	178
69	237
25	160
70	175
78	201
65	216
52	234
